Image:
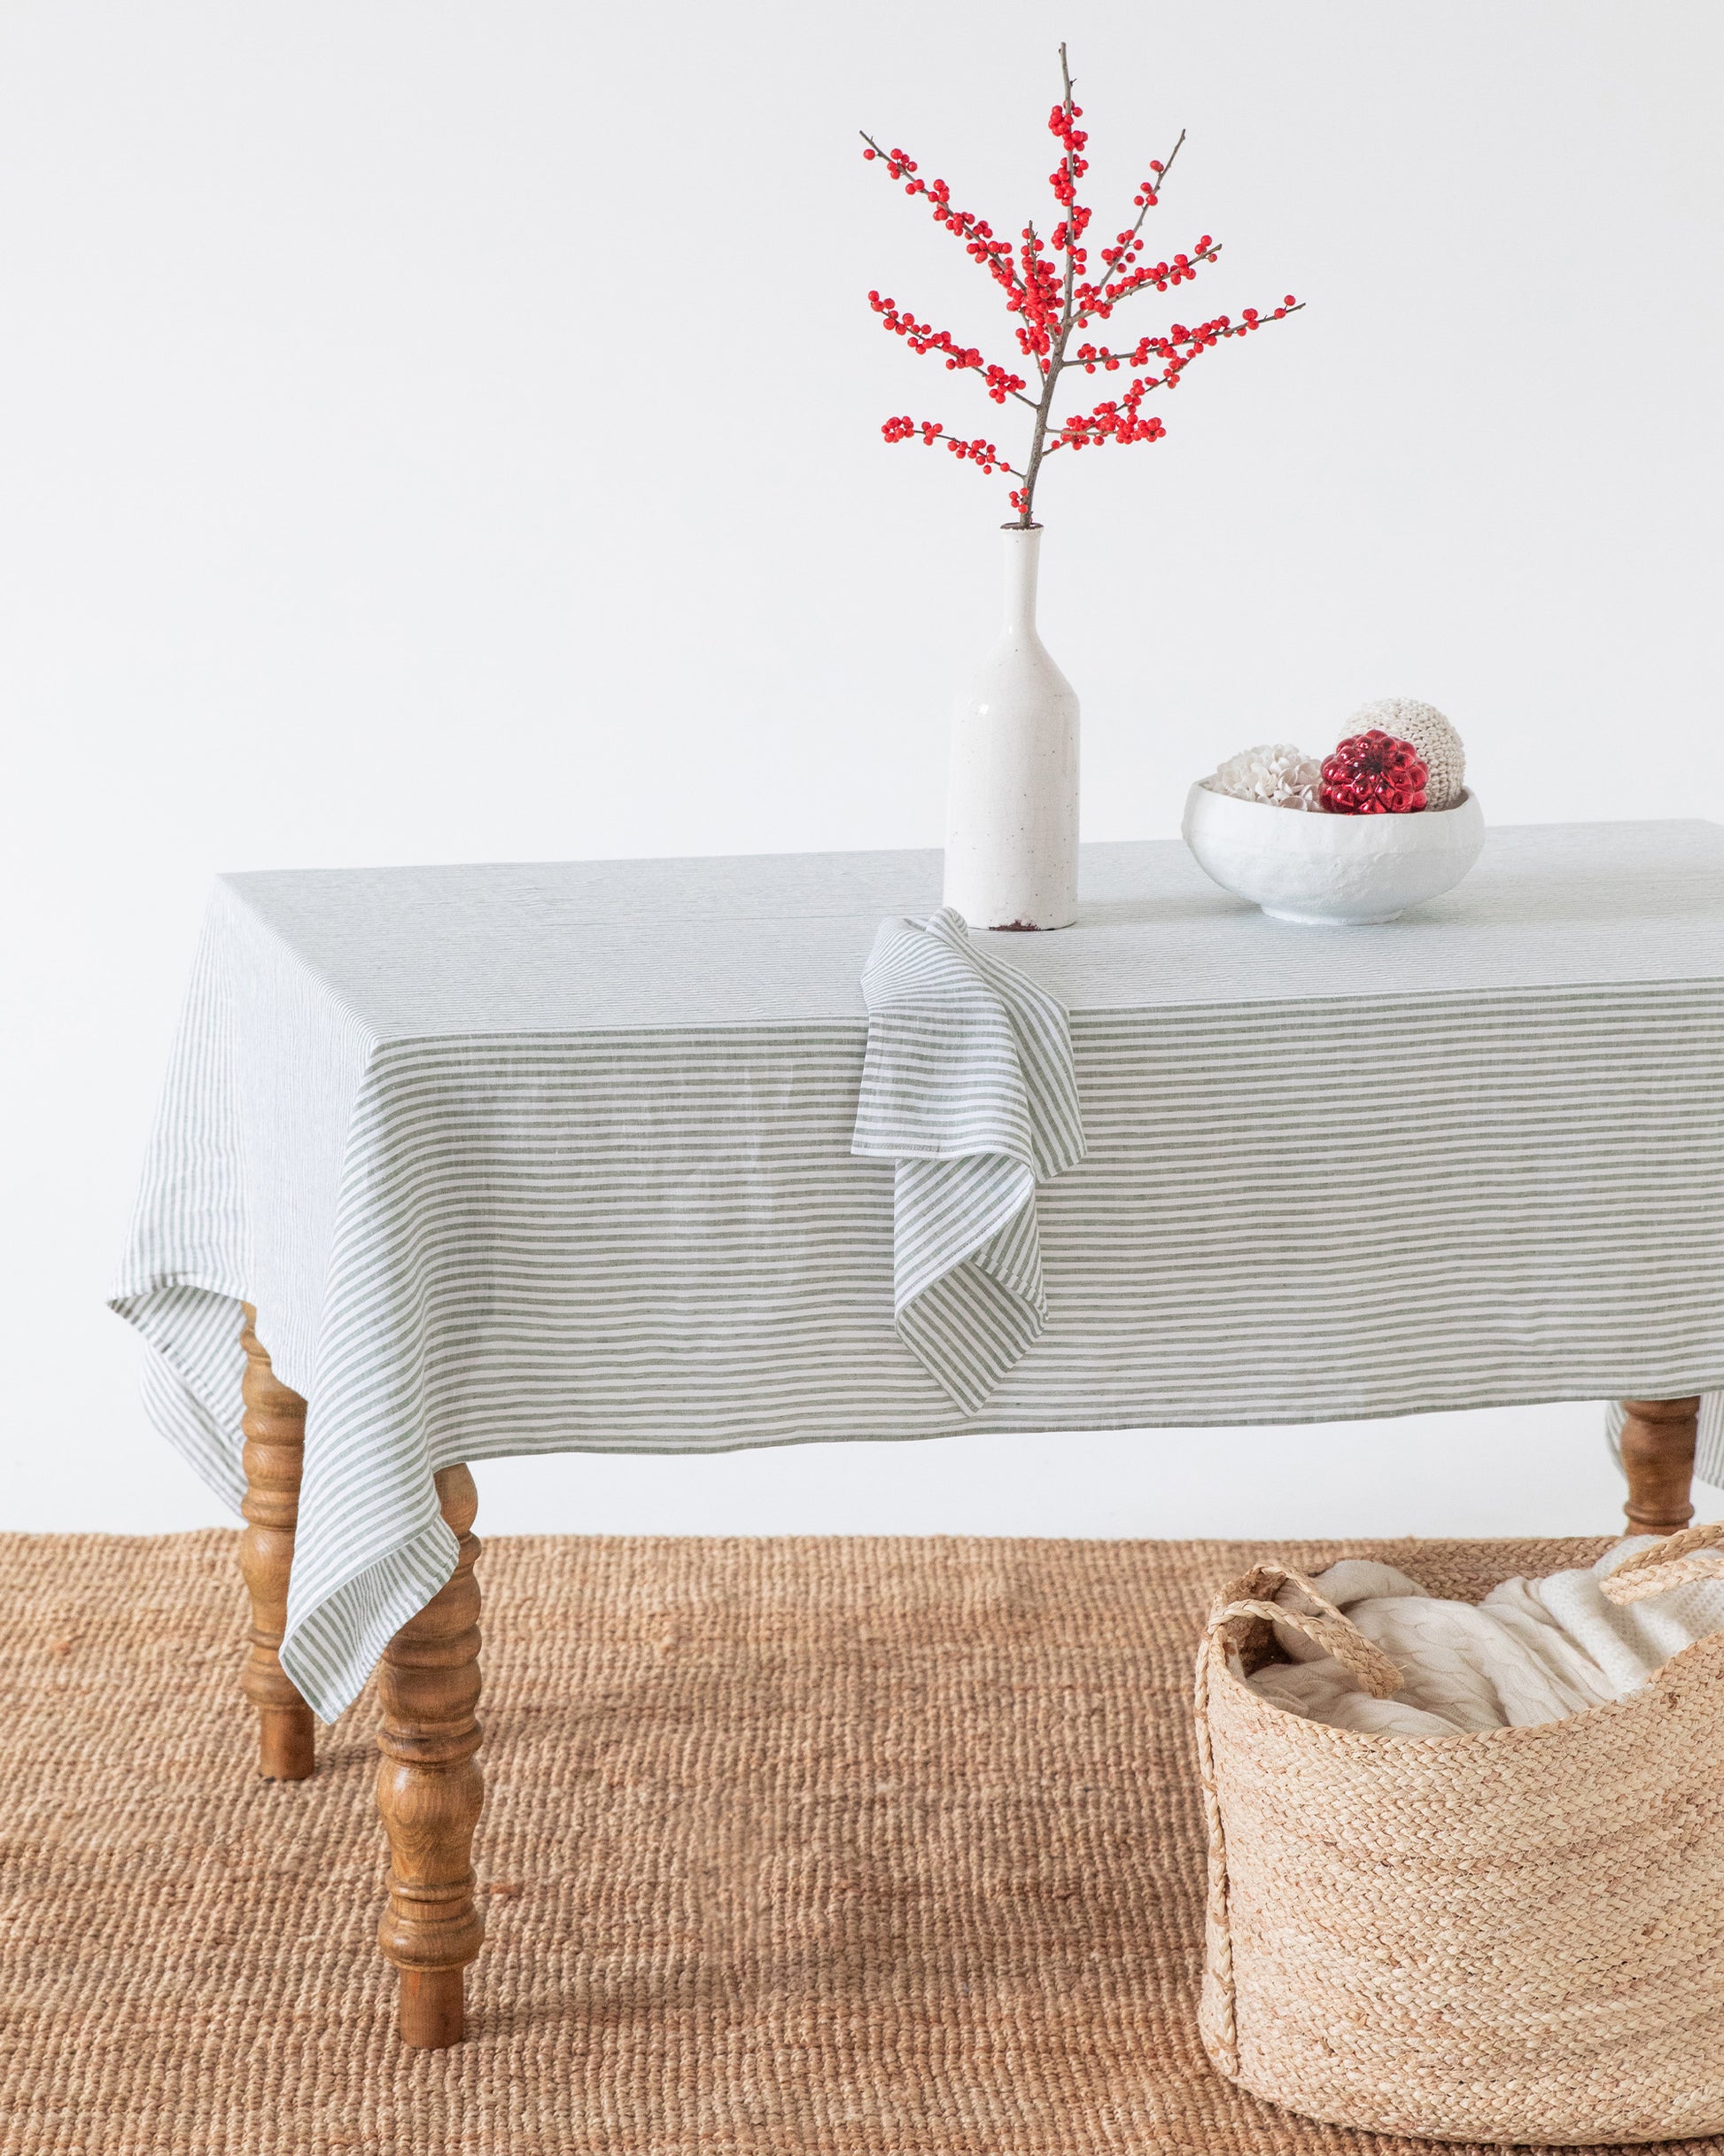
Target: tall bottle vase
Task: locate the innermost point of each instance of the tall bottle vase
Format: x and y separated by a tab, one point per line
1012	800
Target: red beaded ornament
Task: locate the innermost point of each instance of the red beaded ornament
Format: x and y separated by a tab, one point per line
1373	775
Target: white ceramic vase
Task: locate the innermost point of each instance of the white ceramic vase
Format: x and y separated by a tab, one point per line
1011	802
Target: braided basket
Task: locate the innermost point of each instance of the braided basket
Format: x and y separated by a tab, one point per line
1511	1935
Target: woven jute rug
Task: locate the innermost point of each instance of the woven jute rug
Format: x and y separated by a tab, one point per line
868	1848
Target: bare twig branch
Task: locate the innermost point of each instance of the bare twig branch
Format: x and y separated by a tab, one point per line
1004	260
1161	178
1143	388
959	363
940	434
1116	299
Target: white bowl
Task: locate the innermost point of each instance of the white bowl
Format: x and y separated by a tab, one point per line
1330	870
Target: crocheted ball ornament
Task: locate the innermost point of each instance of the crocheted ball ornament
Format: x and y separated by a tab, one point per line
1373	775
1277	773
1432	736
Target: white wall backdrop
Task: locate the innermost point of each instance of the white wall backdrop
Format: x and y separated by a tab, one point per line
451	432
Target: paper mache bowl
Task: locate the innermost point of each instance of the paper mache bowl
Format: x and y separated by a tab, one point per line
1330	870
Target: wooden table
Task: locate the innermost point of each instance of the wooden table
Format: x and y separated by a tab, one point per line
429	1784
1587	964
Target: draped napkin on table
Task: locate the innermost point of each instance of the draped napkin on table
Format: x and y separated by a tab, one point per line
968	1086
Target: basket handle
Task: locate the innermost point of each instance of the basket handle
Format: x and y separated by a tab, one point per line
1696	1553
1321	1622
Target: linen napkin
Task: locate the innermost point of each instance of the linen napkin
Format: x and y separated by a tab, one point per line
969	1087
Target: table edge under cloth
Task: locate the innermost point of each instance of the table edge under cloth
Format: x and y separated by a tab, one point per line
366	1603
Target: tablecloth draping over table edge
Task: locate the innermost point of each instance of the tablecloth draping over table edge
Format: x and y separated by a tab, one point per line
642	1237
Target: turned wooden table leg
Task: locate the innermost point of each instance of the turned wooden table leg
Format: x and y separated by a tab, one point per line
429	1789
275	1427
1658	1456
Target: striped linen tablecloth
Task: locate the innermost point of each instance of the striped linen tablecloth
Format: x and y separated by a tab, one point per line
531	1158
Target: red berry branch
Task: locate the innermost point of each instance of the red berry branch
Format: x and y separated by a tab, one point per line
1050	288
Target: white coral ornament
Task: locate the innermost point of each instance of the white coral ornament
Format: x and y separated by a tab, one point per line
1277	773
1430	733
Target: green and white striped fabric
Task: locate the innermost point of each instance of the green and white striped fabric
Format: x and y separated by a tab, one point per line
967	1086
531	1158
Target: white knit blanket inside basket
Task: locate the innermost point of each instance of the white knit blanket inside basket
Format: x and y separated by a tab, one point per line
1533	1651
